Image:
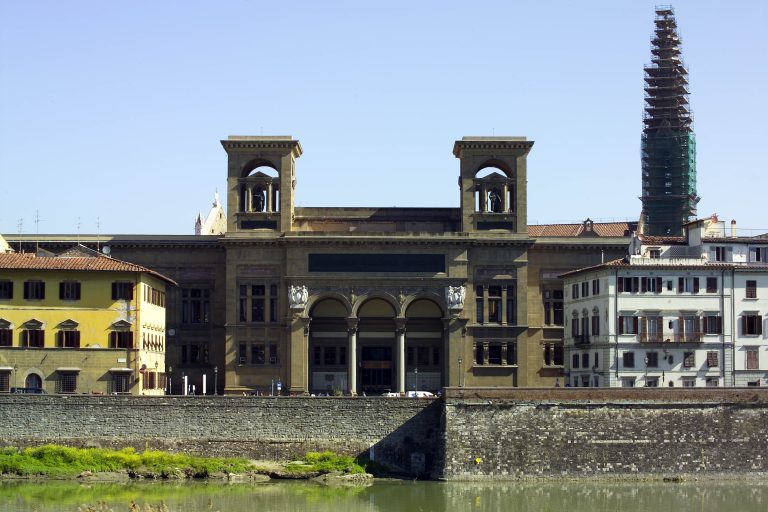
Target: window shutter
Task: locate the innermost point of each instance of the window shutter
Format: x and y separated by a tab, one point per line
759	324
25	335
719	325
680	281
114	291
620	283
60	339
26	289
634	324
729	254
658	285
644	284
695	285
660	326
130	340
112	340
703	324
743	324
643	325
621	325
681	326
77	339
635	284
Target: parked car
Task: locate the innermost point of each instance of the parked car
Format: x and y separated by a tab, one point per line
29	391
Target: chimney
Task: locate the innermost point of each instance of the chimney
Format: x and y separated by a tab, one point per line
733	228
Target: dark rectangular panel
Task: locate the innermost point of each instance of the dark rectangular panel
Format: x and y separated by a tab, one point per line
431	263
495	225
258	224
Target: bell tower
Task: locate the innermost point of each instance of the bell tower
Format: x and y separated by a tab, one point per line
493	183
261	178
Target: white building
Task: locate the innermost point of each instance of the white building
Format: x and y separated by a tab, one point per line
677	311
216	221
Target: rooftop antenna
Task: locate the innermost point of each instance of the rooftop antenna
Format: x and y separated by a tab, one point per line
37	230
78	231
20	224
98	228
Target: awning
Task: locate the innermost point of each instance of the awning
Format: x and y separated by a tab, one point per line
121	370
67	369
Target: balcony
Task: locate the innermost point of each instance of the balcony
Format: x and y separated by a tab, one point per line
651	337
688	337
581	339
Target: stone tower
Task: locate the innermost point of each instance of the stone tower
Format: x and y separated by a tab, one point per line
668	145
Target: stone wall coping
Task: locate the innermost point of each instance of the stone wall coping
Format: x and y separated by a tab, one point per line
612	395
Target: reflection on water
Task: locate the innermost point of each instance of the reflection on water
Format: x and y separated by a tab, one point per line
585	496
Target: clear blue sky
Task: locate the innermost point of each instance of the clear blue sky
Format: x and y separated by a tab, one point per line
115	109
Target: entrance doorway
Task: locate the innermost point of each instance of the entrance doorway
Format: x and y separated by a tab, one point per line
377	369
33	380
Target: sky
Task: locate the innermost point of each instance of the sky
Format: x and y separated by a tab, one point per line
111	113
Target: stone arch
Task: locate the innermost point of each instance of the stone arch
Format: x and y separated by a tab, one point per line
491	165
360	303
260	165
33	379
328	344
314	300
424	346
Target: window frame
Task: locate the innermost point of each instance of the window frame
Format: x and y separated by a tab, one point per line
34	289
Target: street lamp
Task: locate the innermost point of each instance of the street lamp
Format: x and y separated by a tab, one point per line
460	374
170	387
646	371
415	379
215	380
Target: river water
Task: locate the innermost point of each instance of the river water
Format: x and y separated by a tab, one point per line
385	496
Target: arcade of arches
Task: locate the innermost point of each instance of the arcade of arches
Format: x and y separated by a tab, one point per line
372	349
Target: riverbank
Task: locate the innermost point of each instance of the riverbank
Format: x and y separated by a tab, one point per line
105	465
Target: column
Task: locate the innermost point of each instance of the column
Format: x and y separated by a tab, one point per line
456	359
400	328
505	199
485	303
352	355
298	353
269	197
483	199
504	305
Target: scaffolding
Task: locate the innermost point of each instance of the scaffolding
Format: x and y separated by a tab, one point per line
668	146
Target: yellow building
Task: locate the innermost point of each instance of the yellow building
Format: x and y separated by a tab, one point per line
81	322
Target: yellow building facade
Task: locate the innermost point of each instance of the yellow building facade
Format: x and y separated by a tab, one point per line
81	322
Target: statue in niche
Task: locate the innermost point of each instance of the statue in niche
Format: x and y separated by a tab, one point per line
259	200
494	198
298	296
454	297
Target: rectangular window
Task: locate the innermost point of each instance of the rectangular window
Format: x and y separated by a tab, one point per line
512	354
585	289
121	382
257	303
69	290
627	382
758	254
651	382
652	359
121	339
195	305
650	284
242	353
273	359
711	285
273	303
628	359
575	329
479	310
713	324
712	382
688	285
651	329
33	338
628	325
712	361
68	339
494	304
751	324
752	356
751	289
595	287
34	290
689	359
194	354
479	354
585	360
6	289
688	382
258	354
511	305
628	284
5	381
722	253
596	325
654	253
494	353
67	382
329	356
575	361
6	337
575	291
122	290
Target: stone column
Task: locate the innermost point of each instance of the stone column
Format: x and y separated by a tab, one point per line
454	344
400	359
504	305
485	303
483	199
298	351
269	197
352	355
505	200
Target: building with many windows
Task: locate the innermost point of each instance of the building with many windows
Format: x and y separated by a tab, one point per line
81	322
676	311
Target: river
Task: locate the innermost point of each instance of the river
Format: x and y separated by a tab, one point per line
385	496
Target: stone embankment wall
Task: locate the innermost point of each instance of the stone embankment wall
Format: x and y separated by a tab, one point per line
602	432
401	433
470	434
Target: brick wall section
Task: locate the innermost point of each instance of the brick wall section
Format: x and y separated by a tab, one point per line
598	432
255	427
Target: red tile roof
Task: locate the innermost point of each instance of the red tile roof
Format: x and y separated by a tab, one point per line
29	261
606	229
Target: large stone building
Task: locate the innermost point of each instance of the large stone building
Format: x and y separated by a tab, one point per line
367	299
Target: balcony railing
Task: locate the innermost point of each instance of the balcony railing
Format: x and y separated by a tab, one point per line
688	337
651	337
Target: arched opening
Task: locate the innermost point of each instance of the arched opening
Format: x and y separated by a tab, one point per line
376	346
424	351
328	342
33	380
259	189
494	189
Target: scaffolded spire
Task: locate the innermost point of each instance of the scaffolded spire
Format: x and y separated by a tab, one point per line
668	142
